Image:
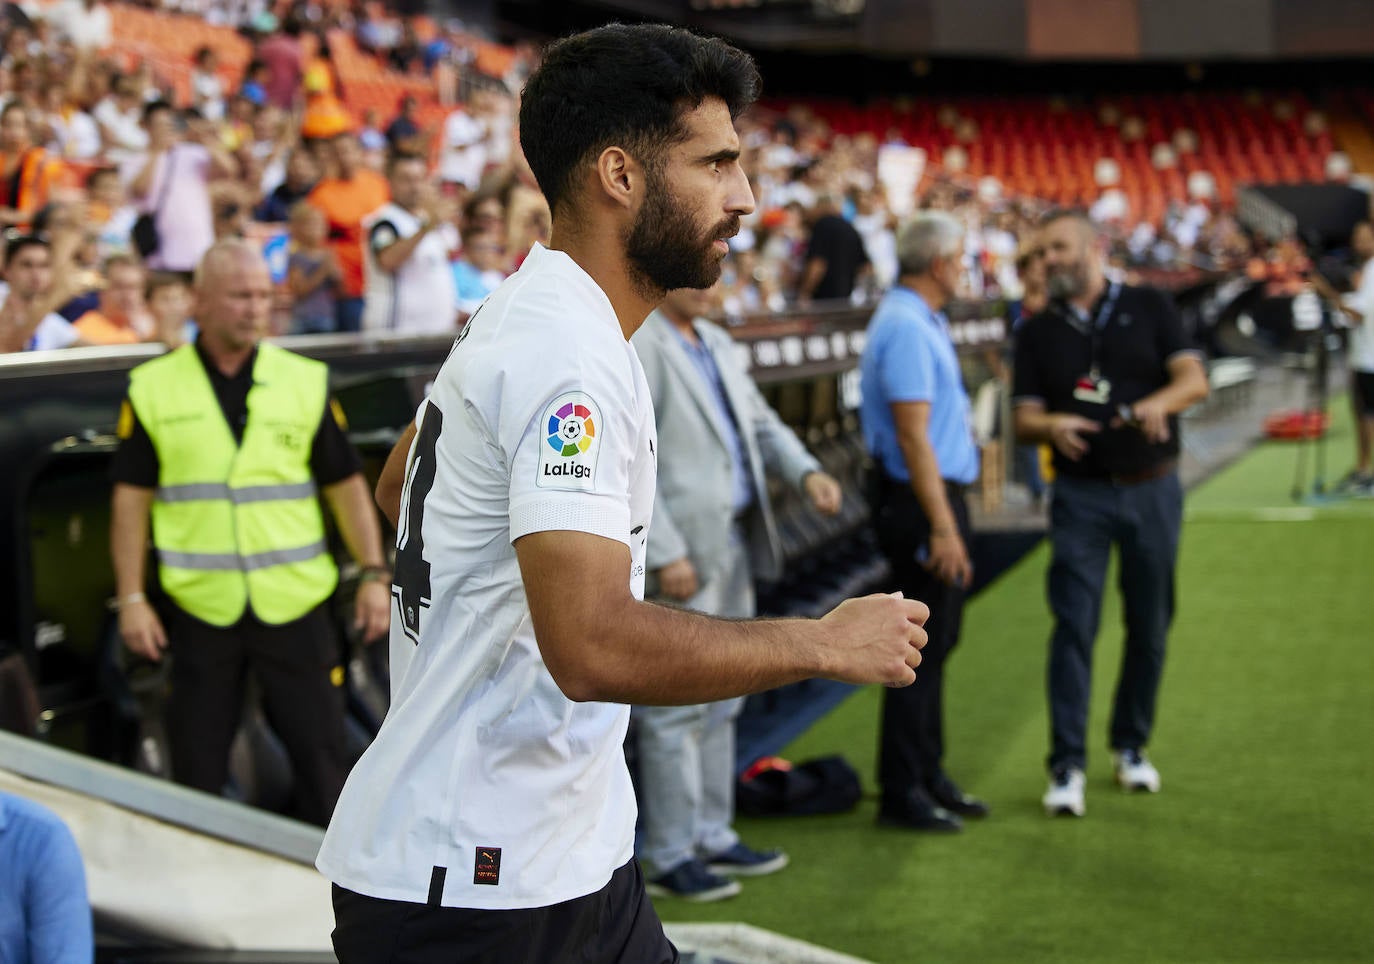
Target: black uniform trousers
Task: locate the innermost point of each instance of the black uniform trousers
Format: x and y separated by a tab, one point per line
297	666
911	738
615	925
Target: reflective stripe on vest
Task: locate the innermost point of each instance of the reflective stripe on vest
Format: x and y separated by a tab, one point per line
199	491
237	524
220	561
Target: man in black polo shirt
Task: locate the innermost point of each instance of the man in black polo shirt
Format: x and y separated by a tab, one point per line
835	255
1101	375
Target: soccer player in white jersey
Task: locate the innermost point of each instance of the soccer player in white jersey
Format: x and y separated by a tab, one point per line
492	819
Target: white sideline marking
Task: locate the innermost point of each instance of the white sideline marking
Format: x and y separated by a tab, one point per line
1273	514
746	944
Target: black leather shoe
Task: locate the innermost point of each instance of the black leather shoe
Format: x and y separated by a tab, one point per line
947	794
918	812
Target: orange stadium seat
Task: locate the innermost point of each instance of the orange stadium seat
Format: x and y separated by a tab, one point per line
1046	148
169	41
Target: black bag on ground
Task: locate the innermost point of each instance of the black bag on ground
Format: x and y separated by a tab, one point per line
824	785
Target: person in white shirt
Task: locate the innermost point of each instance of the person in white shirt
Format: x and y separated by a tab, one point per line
207	89
407	264
523	496
120	117
463	151
86	22
1359	304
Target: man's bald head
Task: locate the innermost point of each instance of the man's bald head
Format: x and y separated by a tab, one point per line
233	296
1078	220
224	256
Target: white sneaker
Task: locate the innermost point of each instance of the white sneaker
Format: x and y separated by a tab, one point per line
1065	795
1135	773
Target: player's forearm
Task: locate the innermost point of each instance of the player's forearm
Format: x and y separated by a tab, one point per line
393	477
129	507
660	656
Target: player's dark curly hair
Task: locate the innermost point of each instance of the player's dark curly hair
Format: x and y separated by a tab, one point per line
625	85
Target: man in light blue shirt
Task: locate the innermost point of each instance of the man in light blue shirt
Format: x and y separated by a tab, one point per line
45	917
915	416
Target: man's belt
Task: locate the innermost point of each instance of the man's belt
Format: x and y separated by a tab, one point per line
1148	474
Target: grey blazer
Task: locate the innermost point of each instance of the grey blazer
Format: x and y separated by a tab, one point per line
693	505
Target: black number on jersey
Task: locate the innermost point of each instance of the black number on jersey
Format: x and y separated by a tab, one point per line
411	582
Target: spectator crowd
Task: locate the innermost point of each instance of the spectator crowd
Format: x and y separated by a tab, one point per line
115	180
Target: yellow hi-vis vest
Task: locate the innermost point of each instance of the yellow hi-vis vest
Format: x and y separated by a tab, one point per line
235	524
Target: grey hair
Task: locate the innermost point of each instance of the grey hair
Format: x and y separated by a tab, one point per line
927	236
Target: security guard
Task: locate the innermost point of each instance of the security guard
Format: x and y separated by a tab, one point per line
224	442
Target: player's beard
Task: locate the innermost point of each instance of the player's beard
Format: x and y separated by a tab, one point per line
667	250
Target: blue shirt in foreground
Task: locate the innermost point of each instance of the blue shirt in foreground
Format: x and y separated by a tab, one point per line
909	357
45	917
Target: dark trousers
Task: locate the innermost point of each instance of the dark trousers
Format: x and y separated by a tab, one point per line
1086	518
615	925
912	739
298	668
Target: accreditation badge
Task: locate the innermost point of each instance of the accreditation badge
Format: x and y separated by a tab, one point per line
1092	389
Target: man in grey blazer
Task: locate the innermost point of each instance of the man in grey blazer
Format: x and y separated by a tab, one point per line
712	533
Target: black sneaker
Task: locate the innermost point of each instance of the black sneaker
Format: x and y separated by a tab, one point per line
947	794
917	811
690	880
742	861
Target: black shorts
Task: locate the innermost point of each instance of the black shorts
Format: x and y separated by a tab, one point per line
615	925
1362	391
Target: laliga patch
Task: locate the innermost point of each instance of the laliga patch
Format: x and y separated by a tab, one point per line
572	430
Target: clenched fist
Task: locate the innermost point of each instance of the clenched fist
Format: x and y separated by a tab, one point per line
876	639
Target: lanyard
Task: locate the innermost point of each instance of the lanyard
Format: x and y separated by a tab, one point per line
1099	323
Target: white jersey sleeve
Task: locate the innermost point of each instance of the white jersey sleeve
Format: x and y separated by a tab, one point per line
571	452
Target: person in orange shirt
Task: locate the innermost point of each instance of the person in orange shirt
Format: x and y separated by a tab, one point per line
27	173
324	115
346	195
122	317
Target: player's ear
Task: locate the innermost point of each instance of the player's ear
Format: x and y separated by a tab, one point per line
618	176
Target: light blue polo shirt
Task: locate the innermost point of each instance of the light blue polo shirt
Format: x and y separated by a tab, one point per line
909	357
44	914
